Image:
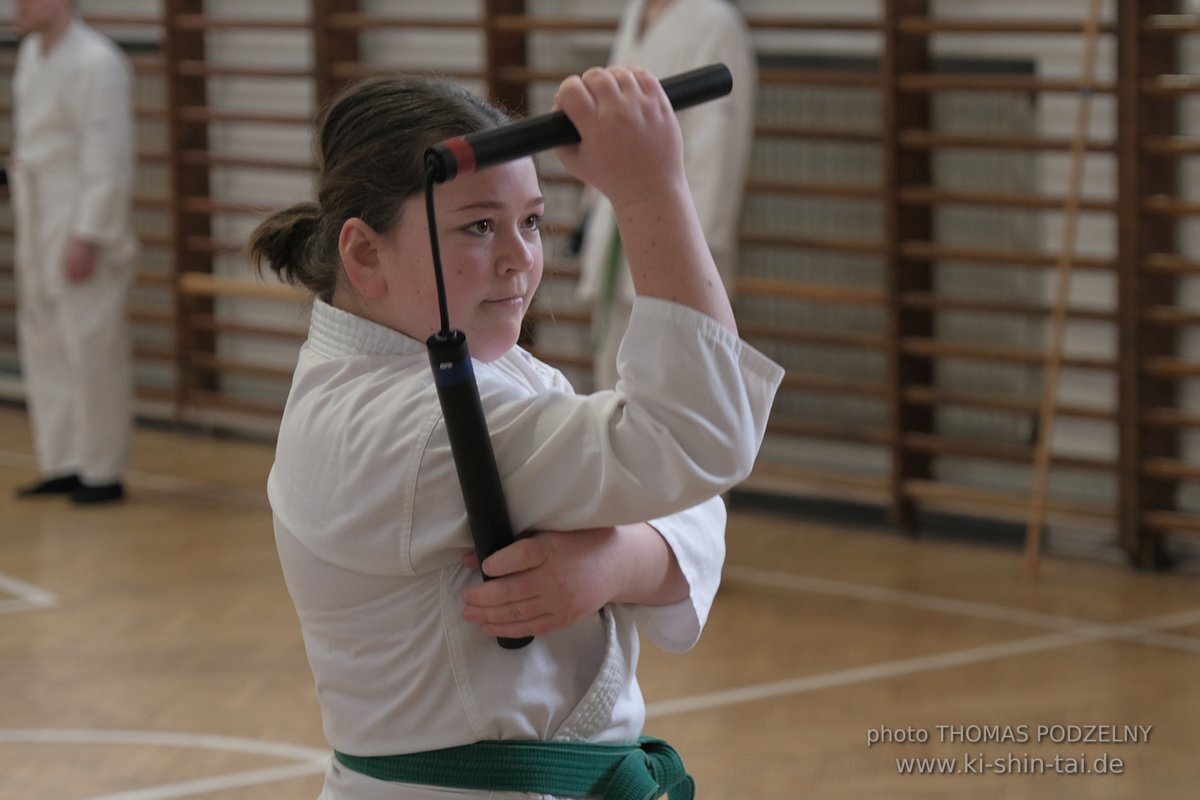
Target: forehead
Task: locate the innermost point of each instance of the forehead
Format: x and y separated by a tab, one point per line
512	184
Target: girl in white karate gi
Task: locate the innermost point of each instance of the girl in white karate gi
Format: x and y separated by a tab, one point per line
369	519
668	37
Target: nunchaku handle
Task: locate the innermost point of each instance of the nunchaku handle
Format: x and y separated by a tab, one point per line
465	154
471	446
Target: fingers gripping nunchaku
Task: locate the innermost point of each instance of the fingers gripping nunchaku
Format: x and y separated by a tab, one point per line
458	393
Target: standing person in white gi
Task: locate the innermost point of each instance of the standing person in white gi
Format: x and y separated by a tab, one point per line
71	173
667	37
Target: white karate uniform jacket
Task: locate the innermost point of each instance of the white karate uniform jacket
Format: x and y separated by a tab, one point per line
370	526
717	135
71	176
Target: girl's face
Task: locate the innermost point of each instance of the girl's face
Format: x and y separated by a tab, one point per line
491	247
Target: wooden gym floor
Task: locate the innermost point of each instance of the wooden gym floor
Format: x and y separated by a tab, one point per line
149	651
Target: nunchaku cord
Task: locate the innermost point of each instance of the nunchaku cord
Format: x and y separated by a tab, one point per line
431	215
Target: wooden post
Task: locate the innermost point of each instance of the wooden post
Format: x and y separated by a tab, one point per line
505	49
332	45
1142	175
903	223
188	180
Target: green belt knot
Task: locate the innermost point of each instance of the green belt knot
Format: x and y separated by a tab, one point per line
649	771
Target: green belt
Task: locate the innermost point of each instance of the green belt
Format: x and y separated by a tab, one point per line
642	771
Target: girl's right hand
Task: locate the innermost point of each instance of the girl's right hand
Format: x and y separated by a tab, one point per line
631	148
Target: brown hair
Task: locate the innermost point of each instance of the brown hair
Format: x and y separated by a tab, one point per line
371	145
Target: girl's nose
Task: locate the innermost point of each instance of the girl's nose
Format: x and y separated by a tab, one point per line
517	253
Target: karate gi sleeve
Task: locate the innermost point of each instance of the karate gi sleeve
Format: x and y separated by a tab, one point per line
685	425
104	108
696	537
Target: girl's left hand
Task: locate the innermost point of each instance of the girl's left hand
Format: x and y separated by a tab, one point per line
545	582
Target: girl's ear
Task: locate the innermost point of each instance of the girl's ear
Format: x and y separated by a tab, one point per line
358	244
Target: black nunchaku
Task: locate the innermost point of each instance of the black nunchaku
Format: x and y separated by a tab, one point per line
458	393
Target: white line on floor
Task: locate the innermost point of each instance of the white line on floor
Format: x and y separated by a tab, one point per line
27	596
312	761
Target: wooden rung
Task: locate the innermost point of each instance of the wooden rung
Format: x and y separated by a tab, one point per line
934	444
1171	263
814	23
1169	367
827	78
122	20
1171	85
154	279
785	130
819	429
851	246
1170	316
155	241
993	401
203	285
206	362
213	205
922	26
141	316
930	251
211	324
155	394
1170	469
1170	206
210	246
789	477
1172	521
561	273
357	21
209	22
939	302
1170	418
159	355
977	82
204	115
936	348
814	336
143	202
839	190
524	23
203	69
1171	23
828	384
949	496
148	65
820	293
1171	145
204	158
918	139
350	70
932	195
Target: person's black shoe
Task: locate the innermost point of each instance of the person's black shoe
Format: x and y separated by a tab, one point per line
85	495
62	485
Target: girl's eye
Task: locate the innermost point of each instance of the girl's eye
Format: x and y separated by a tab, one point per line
481	227
533	222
